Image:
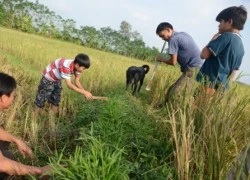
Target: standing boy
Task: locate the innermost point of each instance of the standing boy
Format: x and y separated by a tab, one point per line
182	49
7	165
224	52
50	85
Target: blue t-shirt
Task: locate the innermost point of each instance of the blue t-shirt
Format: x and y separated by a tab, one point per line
228	52
188	53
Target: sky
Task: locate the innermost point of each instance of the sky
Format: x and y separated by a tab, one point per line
196	17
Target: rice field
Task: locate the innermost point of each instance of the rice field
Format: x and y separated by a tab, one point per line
125	137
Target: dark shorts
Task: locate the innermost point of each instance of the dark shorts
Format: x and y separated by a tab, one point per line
48	91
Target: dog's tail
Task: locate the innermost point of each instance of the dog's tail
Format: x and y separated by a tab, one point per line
146	68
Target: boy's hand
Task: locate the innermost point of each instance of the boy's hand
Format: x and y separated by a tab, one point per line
215	36
46	168
88	95
23	148
160	58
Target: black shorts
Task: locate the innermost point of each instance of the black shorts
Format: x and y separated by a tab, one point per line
48	91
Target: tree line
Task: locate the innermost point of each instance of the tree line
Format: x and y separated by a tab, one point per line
36	18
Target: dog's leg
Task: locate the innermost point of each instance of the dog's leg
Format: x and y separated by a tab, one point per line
127	82
141	82
132	83
135	87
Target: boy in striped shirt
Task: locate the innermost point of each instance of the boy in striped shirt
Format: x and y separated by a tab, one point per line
50	85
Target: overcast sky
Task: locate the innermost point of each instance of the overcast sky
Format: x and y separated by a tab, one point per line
196	17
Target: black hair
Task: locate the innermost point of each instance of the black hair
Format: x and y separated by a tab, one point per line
237	14
7	84
162	26
82	60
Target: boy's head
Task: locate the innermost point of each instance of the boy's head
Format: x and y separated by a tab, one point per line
165	30
81	62
7	90
232	18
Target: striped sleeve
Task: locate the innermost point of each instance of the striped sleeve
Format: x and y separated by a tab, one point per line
64	69
65	72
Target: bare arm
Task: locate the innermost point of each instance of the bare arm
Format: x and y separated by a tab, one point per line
206	53
5	136
14	168
77	83
172	61
232	75
87	94
22	147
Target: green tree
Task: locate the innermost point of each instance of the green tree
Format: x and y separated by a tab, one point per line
89	36
54	31
125	29
2	15
69	30
107	39
23	23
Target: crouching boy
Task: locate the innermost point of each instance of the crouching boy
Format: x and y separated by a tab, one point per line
8	166
50	85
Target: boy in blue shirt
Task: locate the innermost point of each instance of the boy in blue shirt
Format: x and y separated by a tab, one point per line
224	52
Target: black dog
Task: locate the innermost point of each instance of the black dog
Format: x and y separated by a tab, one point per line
134	75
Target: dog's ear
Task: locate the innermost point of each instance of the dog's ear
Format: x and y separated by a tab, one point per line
146	68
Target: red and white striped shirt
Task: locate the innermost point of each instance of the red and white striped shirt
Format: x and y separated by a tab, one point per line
60	69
